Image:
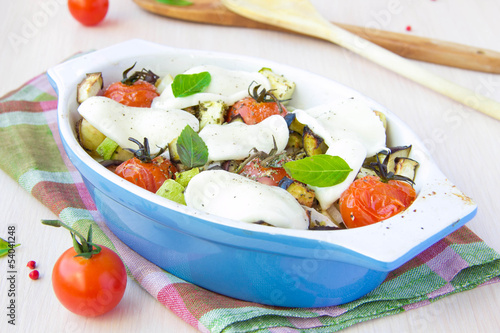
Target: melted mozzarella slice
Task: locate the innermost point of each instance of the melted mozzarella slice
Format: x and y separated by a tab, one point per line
120	122
353	119
235	141
226	85
236	197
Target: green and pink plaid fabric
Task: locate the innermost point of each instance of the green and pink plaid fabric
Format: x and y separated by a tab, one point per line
31	153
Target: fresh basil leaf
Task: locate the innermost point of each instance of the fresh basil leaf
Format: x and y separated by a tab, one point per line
319	170
190	84
5	247
176	2
193	152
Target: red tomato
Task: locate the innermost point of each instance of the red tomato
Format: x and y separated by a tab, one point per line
139	94
254	112
148	175
265	175
89	287
88	12
369	200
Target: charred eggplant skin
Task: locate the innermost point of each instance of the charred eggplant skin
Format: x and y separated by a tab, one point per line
313	144
300	191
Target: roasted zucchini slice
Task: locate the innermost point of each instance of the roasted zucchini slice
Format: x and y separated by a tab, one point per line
184	177
281	87
88	136
211	112
107	148
172	190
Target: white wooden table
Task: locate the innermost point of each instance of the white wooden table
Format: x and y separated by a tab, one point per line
37	34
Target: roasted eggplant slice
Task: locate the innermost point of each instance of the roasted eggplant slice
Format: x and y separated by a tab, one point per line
400	151
313	144
296	126
90	86
294	141
319	221
300	191
405	167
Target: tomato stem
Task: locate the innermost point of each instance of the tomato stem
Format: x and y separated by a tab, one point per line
85	248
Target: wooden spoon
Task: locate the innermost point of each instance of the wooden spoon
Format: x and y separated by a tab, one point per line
300	15
406	45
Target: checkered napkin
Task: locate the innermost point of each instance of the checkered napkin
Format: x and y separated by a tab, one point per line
31	153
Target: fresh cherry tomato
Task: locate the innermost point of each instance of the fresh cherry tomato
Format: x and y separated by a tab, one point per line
369	200
88	12
148	175
138	94
265	175
89	287
88	279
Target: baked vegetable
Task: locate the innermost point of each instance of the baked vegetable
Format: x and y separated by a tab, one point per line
211	112
300	191
281	87
313	144
90	86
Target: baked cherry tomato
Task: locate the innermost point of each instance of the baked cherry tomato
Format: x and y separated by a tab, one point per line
138	94
369	200
88	279
148	175
144	170
265	175
256	108
88	12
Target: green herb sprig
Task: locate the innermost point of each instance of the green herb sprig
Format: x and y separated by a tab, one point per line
6	246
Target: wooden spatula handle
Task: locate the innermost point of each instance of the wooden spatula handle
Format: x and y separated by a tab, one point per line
431	50
403	44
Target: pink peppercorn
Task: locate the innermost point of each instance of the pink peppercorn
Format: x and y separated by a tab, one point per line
31	264
34	275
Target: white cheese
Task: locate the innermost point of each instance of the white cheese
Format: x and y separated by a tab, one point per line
353	119
235	141
236	197
226	85
119	122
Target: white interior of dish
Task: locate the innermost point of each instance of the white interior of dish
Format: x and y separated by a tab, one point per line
439	203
